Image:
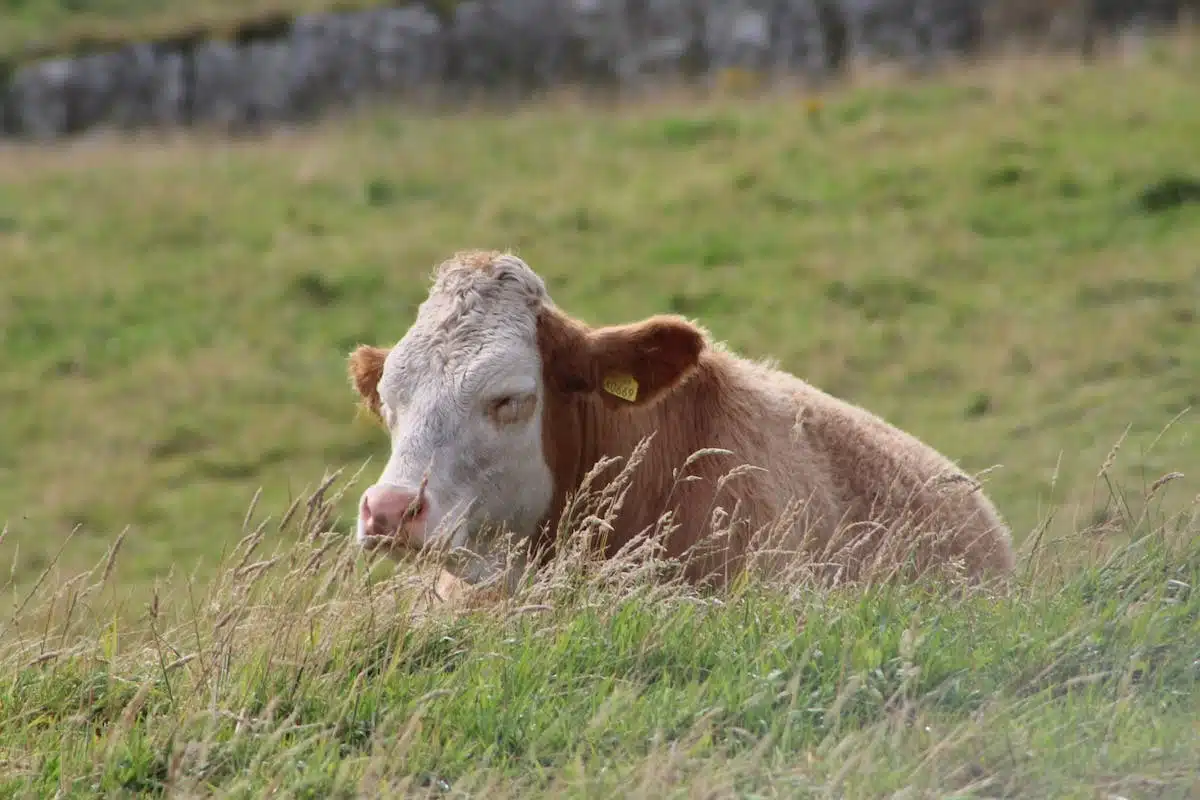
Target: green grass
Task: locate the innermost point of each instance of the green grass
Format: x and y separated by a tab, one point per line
1002	262
974	258
297	674
60	27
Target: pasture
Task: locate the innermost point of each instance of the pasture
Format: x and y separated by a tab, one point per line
65	25
1001	261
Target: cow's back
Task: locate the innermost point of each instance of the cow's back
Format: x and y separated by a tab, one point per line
859	489
900	499
832	469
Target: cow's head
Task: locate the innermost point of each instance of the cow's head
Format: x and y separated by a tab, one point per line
476	392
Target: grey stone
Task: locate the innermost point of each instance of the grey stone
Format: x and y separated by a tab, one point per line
140	86
218	85
342	59
172	89
38	99
948	27
777	37
804	42
91	91
880	29
665	39
629	42
515	45
738	34
917	31
321	62
269	89
408	49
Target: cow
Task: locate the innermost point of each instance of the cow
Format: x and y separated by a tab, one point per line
498	403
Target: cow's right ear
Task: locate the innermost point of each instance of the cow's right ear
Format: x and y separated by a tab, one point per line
563	344
366	368
627	365
637	364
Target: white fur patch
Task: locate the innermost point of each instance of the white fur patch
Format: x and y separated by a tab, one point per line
473	344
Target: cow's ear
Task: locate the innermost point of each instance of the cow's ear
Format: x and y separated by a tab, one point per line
637	364
366	368
563	344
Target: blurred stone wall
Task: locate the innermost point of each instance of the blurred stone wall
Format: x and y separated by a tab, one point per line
301	68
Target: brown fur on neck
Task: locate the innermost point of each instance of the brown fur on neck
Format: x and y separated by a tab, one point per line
819	462
583	424
843	465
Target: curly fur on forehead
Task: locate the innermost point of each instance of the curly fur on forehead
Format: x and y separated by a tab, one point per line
472	276
472	303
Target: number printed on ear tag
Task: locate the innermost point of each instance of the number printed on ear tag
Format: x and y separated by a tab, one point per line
623	386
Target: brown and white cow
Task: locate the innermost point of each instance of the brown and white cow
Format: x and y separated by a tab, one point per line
498	403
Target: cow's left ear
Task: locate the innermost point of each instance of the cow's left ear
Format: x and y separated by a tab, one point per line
366	368
637	364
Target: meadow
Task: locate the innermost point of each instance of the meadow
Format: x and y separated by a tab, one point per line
1001	260
65	26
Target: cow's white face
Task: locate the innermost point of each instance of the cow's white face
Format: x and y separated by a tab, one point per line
462	396
464	393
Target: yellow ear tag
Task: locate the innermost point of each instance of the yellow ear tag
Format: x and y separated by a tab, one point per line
623	386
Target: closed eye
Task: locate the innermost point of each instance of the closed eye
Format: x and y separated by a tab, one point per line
506	409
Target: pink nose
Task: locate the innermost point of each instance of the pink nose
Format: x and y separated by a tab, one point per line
389	512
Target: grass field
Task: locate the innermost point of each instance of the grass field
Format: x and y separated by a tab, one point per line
298	676
1003	262
62	26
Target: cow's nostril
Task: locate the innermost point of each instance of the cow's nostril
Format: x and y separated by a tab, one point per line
387	512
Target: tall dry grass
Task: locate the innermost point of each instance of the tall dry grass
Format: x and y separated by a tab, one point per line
272	665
